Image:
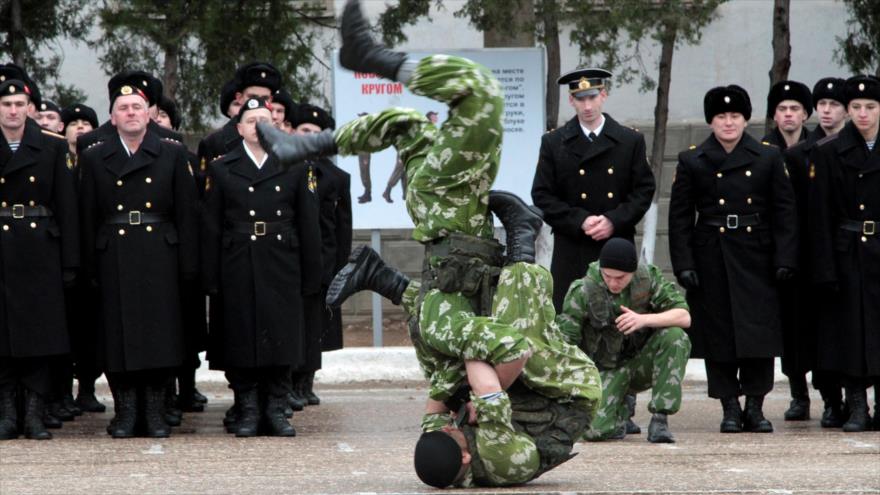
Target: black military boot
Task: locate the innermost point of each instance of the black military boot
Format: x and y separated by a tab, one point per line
732	421
248	414
186	395
56	408
658	429
230	419
8	415
295	400
126	407
155	412
799	407
832	415
294	148
85	398
366	270
307	383
67	397
198	396
359	52
34	409
631	427
753	417
276	424
170	412
522	223
51	421
857	400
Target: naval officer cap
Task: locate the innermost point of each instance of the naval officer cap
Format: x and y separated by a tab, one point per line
585	82
253	104
829	88
723	99
12	71
862	86
78	111
135	82
11	87
258	74
789	90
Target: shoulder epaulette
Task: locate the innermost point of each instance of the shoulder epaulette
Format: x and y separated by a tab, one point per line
692	147
170	140
53	134
96	143
827	139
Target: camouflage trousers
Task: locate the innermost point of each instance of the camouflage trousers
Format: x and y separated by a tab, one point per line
659	366
523	318
449	170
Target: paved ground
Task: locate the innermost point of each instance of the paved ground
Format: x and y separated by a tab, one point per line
360	441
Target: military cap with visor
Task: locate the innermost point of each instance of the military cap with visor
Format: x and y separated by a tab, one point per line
78	111
862	86
306	113
585	82
135	82
723	99
253	104
437	459
258	74
789	90
830	88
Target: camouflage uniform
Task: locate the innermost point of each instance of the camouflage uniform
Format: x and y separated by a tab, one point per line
449	174
650	358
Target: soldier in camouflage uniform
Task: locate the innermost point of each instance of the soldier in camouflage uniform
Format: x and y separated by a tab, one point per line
472	319
628	319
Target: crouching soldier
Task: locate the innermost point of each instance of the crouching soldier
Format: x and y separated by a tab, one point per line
629	320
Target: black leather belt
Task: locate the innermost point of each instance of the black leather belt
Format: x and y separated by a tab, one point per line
730	221
137	218
22	211
259	228
864	227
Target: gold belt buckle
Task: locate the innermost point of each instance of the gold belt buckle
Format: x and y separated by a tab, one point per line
17	211
259	228
869	227
134	218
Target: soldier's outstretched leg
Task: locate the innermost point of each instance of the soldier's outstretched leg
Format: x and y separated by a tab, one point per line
522	223
366	270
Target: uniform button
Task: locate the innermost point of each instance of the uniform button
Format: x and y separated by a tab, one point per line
721	229
721	201
748	173
253	238
864	239
3	204
2	180
610	195
252	213
279	237
749	200
251	188
6	227
33	225
583	195
32	178
860	176
862	207
748	229
148	204
582	171
119	183
278	212
121	231
119	207
31	203
149	228
611	171
278	188
148	180
719	175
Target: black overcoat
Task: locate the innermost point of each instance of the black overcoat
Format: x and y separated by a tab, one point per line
776	138
107	129
139	268
735	311
576	178
260	279
35	250
845	185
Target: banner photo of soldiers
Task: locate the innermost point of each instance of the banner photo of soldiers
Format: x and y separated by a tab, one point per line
378	180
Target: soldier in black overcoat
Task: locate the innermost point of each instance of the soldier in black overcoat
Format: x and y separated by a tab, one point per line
732	237
138	205
789	104
323	326
593	181
799	299
261	255
844	215
39	253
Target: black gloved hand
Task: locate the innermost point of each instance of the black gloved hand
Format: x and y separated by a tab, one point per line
459	398
688	279
783	274
68	278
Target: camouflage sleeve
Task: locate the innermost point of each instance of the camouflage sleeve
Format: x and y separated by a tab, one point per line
664	294
435	421
507	456
574	312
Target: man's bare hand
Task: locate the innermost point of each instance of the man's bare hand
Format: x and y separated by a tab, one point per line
589	223
630	321
601	229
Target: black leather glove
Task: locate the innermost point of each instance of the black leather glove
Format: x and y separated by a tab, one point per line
459	398
688	279
68	278
783	274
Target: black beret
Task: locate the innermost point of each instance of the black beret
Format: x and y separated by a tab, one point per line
134	82
730	98
830	88
12	71
584	82
79	111
48	106
14	87
437	459
282	97
619	254
258	74
168	106
253	104
789	90
862	86
306	113
227	95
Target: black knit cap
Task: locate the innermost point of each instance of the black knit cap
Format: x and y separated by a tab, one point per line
830	88
79	111
789	90
437	459
306	113
619	254
252	104
730	98
862	86
168	106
